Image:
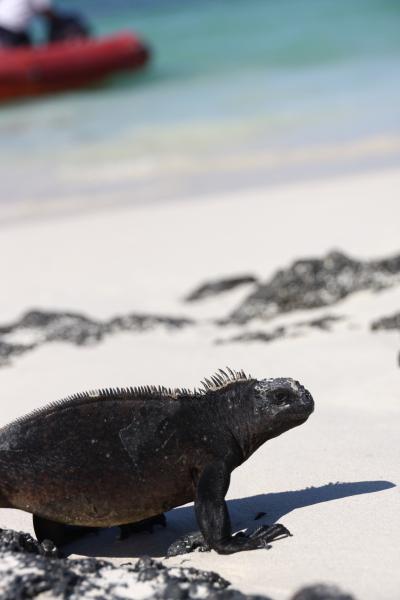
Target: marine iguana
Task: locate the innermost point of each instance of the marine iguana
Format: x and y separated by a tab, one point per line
124	456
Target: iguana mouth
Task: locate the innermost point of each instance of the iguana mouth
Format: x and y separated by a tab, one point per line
306	397
306	405
309	400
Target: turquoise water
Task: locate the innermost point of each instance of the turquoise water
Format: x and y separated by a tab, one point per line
239	92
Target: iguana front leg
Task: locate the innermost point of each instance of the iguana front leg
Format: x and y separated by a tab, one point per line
213	516
214	522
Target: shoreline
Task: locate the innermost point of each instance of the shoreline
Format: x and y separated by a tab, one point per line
120	188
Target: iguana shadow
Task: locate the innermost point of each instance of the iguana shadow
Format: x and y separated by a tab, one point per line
243	513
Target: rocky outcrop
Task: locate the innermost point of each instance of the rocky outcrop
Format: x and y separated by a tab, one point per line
38	327
255	336
391	323
32	570
317	282
387	323
322	592
324	323
218	286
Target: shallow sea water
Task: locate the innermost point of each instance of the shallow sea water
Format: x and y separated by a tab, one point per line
239	93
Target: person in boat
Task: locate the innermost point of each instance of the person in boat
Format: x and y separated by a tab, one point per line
16	17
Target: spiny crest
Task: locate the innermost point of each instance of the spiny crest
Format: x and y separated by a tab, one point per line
128	393
223	378
216	382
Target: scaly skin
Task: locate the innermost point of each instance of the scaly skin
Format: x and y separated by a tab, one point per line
117	457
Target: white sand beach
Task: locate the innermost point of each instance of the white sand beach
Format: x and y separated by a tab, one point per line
333	481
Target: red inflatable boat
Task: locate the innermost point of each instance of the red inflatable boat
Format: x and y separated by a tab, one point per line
67	65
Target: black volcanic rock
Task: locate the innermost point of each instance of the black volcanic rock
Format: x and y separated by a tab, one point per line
42	327
317	282
143	322
255	336
218	286
7	350
322	592
391	323
323	323
62	326
16	541
387	323
27	570
32	570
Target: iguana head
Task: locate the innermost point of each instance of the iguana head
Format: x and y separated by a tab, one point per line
258	410
276	405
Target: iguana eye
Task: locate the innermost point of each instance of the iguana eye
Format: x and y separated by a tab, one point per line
281	396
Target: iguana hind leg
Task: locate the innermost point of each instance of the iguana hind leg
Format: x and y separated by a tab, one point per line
145	525
58	533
